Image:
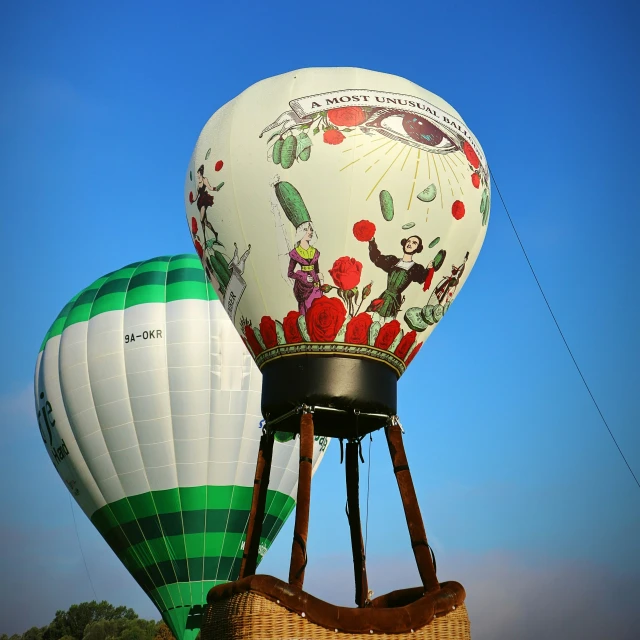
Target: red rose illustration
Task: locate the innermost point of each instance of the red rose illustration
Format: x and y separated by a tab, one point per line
191	197
413	353
387	335
475	180
251	339
194	226
346	272
347	116
358	329
457	210
219	165
268	332
405	344
364	230
324	319
376	304
291	330
333	136
472	156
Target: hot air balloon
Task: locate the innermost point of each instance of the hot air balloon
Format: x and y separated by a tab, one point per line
149	406
340	212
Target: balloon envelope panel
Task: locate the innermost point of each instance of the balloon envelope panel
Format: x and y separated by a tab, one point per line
149	406
337	211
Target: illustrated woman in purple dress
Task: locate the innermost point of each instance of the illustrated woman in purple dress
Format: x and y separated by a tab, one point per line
304	268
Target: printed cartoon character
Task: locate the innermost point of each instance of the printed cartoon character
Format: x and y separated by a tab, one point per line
400	273
205	200
446	288
304	267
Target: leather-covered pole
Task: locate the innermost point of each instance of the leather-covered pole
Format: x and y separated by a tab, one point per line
303	502
353	505
412	513
258	504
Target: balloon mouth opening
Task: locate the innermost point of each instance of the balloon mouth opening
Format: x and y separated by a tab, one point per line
350	396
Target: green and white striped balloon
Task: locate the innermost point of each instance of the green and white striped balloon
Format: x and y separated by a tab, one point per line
149	406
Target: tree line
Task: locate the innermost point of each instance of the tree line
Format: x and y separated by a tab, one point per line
96	621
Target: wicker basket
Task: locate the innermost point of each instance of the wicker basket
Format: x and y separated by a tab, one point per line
250	615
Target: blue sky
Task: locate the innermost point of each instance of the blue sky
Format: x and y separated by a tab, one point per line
525	498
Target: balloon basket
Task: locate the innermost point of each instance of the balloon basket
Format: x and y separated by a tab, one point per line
262	607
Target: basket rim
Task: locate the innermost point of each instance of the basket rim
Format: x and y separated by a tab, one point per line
396	612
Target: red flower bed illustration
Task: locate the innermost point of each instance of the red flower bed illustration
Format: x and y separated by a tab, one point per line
254	345
291	330
364	230
268	332
387	335
347	116
324	319
346	272
413	353
405	344
358	329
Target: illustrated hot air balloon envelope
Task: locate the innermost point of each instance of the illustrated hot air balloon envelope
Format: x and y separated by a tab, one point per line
336	182
149	406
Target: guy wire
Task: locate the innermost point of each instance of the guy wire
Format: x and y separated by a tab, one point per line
566	344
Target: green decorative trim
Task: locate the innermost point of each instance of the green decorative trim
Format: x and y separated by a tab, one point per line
337	348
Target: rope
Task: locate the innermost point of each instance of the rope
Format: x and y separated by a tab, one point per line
75	526
566	344
366	525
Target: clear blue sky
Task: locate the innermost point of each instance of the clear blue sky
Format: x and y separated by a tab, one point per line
526	500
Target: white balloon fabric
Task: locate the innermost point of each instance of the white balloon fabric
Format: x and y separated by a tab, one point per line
337	211
149	406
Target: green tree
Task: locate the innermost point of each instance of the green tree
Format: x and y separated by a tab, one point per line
33	634
121	629
74	621
162	632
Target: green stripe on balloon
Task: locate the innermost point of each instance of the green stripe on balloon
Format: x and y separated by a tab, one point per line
169	501
160	280
183	522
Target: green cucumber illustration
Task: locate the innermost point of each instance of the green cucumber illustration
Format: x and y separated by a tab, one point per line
429	194
288	152
386	205
277	150
413	317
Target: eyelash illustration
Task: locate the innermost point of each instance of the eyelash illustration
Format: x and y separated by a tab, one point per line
414	130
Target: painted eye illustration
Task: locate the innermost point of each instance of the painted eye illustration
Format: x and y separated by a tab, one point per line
414	130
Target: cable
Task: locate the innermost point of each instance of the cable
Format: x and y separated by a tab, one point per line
366	525
75	525
566	344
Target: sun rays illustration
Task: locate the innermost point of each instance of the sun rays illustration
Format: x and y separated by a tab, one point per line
379	158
